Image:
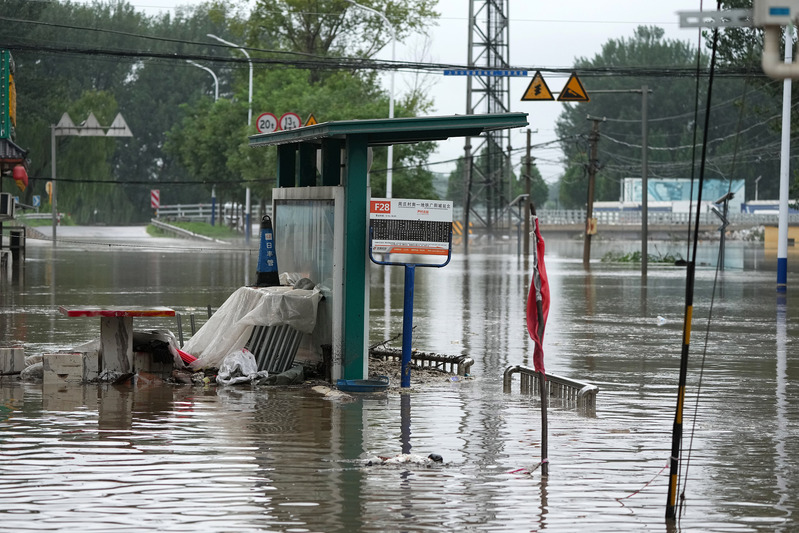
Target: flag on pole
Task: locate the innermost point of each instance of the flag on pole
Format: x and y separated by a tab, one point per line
538	300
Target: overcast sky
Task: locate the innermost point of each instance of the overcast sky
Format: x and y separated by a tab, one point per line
542	34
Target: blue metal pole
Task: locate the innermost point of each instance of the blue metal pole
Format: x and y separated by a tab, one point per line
407	325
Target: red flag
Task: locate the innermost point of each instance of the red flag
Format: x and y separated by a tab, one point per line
538	301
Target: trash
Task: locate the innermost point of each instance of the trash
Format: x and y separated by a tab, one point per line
239	367
33	372
293	376
661	320
405	458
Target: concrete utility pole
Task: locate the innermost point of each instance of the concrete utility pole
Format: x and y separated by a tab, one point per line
593	141
644	183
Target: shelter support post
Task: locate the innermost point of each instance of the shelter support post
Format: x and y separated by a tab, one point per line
356	316
331	162
307	165
287	165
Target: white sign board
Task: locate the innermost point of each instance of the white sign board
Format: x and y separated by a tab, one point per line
290	121
266	123
401	226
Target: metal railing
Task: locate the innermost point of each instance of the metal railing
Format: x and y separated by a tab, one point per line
577	216
455	364
582	394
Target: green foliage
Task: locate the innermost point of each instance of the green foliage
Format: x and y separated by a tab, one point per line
456	185
738	106
343	30
200	228
183	143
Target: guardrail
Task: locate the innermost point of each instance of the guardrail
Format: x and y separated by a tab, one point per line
577	216
569	390
183	232
194	212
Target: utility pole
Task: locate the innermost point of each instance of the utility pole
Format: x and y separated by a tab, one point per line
593	141
644	183
529	202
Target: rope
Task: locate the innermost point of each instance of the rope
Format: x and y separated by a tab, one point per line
644	486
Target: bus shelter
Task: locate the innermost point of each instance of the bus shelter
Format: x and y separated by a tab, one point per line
321	215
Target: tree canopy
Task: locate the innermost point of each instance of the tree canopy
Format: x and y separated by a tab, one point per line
107	58
742	139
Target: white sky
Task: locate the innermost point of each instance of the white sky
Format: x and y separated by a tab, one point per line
542	34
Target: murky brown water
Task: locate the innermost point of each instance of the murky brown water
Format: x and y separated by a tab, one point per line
103	458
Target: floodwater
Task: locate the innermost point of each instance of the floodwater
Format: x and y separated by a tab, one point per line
181	458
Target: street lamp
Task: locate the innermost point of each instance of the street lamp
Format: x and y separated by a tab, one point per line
243	51
249	121
216	80
390	164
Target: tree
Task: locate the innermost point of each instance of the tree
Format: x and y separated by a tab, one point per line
456	185
325	27
670	120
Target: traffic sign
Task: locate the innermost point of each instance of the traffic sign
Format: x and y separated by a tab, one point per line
573	91
311	120
266	123
155	198
290	121
37	200
538	89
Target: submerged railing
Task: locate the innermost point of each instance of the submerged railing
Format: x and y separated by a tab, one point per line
455	364
569	390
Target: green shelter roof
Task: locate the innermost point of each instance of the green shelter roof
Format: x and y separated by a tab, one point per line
395	130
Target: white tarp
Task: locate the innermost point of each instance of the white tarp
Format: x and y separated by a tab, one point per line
230	327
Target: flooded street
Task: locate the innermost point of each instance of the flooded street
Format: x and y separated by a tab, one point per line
183	458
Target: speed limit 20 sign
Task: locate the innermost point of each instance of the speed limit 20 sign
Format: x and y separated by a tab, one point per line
266	123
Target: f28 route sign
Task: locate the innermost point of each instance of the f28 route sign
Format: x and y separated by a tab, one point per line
401	226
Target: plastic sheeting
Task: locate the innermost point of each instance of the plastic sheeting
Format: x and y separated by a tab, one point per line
230	327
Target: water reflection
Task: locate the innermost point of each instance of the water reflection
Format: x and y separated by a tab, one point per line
182	458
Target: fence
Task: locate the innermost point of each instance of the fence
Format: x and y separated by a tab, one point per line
568	390
577	216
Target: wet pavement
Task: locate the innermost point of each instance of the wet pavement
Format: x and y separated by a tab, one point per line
183	458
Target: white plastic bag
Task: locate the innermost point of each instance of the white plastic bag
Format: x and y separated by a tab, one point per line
239	367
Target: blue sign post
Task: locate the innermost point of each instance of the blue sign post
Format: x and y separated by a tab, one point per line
412	227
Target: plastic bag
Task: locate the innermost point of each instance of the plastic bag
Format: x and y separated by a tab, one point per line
239	367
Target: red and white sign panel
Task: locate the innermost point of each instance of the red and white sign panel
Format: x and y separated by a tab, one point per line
266	123
401	226
155	198
290	121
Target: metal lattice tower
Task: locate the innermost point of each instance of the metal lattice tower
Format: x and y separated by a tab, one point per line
487	162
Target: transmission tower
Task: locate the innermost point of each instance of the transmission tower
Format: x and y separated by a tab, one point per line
487	163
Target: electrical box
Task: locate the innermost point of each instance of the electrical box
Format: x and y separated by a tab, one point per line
7	206
775	12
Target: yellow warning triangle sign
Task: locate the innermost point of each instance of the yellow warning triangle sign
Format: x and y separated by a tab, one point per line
311	120
573	91
538	89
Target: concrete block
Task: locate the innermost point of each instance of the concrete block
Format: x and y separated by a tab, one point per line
12	359
65	368
94	357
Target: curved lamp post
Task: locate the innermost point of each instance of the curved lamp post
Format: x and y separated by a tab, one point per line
216	80
390	163
249	121
243	51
